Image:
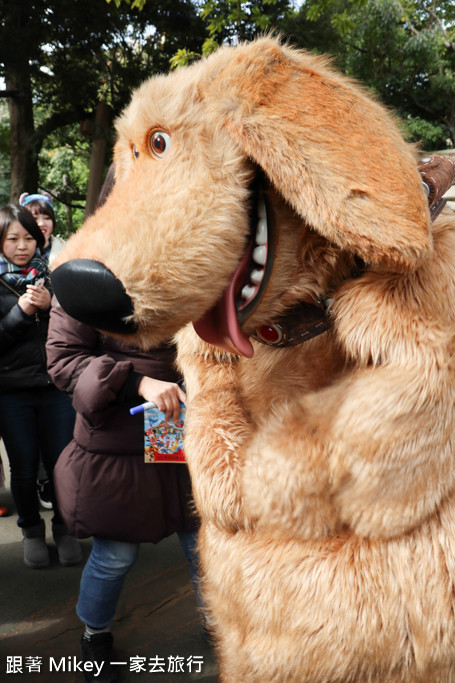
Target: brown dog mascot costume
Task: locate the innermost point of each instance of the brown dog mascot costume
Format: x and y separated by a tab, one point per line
268	212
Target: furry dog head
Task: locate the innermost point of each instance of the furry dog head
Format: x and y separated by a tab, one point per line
189	149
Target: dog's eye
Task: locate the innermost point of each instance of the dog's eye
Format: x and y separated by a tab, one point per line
160	143
135	152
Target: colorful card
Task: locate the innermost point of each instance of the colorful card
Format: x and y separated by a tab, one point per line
163	441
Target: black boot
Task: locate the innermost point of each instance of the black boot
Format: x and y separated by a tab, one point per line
99	648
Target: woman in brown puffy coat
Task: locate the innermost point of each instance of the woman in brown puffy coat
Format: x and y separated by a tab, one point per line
104	487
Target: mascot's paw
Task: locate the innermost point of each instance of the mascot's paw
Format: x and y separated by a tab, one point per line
215	457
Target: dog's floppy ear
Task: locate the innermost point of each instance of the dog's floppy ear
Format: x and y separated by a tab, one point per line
330	149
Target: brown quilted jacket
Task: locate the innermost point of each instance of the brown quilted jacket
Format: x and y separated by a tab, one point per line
103	486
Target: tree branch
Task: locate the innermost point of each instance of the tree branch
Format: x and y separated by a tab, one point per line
58	120
432	13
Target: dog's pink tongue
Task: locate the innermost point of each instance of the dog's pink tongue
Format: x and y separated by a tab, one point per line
220	326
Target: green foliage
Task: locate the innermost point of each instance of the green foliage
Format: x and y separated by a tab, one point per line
233	20
64	172
404	50
182	58
229	21
139	4
98	51
210	45
432	136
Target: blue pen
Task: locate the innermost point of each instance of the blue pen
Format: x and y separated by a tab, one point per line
142	407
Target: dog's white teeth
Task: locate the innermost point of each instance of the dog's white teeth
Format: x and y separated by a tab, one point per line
248	292
256	276
260	256
261	232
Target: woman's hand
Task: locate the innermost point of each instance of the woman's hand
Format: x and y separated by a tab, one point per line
26	305
165	395
38	296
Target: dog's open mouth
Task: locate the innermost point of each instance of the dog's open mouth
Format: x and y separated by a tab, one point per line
221	326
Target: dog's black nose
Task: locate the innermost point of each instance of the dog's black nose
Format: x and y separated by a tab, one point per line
90	293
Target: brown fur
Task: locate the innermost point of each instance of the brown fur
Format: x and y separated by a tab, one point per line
323	473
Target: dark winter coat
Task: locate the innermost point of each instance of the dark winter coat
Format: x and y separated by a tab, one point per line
104	487
22	344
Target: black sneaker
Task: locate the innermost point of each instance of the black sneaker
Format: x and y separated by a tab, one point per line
44	494
99	649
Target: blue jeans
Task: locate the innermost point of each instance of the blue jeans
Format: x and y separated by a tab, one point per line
34	422
105	571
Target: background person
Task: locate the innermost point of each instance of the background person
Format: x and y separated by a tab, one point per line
42	209
104	487
35	417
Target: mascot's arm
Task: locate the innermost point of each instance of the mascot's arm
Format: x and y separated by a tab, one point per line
373	452
216	431
391	435
392	448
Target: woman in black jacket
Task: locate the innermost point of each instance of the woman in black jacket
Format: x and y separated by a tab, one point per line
35	417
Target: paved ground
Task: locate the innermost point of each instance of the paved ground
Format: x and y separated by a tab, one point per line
157	623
